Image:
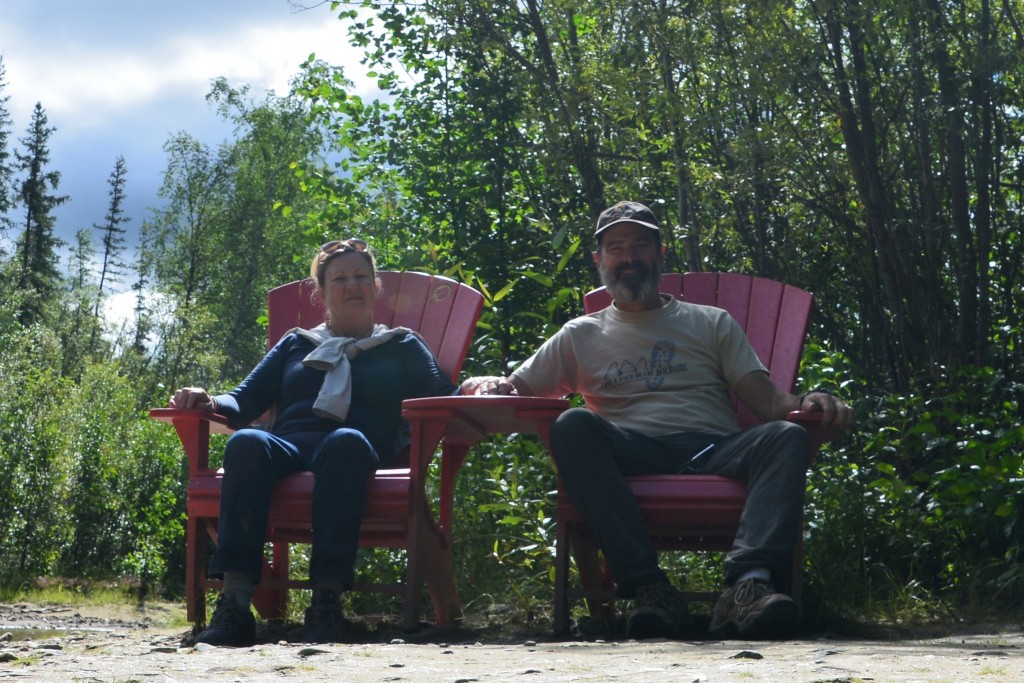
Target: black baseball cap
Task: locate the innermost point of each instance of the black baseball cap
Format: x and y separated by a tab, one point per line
626	212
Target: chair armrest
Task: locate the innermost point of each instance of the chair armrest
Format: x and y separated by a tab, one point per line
218	423
194	428
816	433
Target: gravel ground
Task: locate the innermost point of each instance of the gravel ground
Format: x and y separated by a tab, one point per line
69	644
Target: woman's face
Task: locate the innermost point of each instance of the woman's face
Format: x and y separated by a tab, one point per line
350	290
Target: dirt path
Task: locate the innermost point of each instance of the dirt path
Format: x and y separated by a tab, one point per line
130	647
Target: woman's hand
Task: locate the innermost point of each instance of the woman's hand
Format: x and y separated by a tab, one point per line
193	397
497	386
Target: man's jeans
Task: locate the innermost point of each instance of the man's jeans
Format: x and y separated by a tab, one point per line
254	460
594	456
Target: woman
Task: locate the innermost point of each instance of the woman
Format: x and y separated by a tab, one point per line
337	392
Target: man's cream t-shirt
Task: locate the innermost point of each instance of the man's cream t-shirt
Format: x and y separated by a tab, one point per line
658	372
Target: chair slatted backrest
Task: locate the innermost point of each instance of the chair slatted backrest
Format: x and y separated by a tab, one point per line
775	317
437	307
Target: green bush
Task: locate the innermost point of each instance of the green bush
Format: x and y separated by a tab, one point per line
916	514
504	527
95	489
35	471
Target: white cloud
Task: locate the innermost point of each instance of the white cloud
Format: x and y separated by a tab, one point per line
265	56
84	89
120	77
119	309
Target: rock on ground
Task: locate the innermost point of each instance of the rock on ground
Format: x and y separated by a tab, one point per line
123	650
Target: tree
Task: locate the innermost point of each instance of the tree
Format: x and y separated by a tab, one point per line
37	247
271	136
462	172
112	233
868	152
6	171
79	326
184	256
219	244
143	324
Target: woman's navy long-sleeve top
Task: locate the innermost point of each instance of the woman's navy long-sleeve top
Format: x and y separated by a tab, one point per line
382	377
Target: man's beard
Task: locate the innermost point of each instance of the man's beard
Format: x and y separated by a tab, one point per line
635	287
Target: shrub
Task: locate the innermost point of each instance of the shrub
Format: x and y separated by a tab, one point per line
917	513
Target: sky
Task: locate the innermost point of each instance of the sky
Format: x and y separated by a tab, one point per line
120	77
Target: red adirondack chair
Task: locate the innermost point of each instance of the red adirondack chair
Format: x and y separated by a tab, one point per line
398	515
696	512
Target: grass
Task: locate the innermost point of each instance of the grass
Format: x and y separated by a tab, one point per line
68	593
101	596
992	671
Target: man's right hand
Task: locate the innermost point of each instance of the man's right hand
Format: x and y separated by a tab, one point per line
496	386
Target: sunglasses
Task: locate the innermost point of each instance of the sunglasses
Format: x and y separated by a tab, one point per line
351	244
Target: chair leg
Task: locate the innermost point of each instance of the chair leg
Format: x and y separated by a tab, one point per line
572	540
279	595
270	598
796	575
560	616
596	583
430	560
413	583
195	596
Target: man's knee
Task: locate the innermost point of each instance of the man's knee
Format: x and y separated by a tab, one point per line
784	437
785	451
574	423
793	441
572	428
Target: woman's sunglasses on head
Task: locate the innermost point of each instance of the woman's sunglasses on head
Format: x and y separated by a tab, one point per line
351	244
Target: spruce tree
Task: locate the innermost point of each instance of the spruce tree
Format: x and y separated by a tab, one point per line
39	276
6	172
112	232
79	327
143	321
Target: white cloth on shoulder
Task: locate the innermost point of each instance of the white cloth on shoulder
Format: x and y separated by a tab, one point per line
332	355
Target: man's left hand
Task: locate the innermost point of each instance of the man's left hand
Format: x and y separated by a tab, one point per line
834	411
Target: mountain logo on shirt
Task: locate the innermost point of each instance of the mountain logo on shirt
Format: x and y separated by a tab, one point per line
650	371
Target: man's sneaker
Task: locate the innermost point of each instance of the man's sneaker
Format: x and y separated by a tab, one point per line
752	609
659	611
230	625
325	622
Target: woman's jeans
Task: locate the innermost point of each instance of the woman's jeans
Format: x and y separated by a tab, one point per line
594	457
342	464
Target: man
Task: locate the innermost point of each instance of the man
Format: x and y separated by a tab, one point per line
656	423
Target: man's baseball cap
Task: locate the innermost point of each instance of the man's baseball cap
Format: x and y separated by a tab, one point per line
626	212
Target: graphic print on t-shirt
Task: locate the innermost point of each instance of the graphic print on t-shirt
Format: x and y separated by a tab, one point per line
652	372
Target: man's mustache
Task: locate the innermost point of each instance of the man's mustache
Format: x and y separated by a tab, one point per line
639	269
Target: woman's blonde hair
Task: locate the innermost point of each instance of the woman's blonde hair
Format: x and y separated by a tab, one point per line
329	250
